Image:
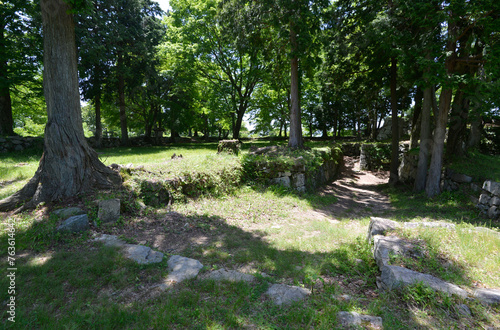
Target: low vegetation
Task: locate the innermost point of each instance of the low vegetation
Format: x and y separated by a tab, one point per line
66	280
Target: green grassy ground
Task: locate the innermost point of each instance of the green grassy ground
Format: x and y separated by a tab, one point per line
68	281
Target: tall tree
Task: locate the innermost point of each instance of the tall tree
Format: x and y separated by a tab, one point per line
68	165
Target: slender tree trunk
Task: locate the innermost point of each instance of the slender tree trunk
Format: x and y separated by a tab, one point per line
295	140
121	101
394	175
238	122
425	140
476	127
416	119
432	187
68	165
98	122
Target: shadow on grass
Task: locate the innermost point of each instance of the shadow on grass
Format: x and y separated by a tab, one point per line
73	282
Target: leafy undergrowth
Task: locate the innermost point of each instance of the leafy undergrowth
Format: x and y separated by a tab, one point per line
479	166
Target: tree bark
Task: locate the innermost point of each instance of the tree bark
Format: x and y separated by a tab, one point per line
417	119
68	165
295	137
458	124
6	121
394	175
425	140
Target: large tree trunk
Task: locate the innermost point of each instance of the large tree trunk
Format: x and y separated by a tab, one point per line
238	122
6	121
458	124
295	139
394	175
425	140
432	187
98	122
68	165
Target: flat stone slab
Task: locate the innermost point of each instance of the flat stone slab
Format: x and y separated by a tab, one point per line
283	294
68	211
141	254
74	224
488	296
395	276
182	268
385	246
379	226
230	275
429	224
109	240
356	320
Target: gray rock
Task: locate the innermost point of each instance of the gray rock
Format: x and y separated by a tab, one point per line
495	201
230	275
395	276
283	294
182	268
463	309
493	212
299	180
492	187
484	199
385	246
429	224
75	224
356	320
68	211
142	254
379	226
460	178
109	210
488	296
283	181
109	240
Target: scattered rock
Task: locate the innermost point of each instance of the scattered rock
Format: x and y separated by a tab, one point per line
384	247
355	320
182	268
379	226
460	178
488	296
395	276
493	212
109	240
343	297
142	254
75	224
230	275
492	187
109	210
283	294
68	211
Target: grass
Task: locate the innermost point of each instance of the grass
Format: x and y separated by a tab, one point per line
69	281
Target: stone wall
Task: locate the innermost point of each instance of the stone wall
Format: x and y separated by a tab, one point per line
19	143
489	200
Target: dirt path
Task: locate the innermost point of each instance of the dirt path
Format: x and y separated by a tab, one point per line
358	193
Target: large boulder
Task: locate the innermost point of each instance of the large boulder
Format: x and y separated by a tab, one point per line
182	268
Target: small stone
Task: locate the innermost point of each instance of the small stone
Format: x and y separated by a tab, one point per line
283	294
484	199
461	178
355	320
493	212
495	201
142	254
182	268
74	224
109	210
109	240
230	275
